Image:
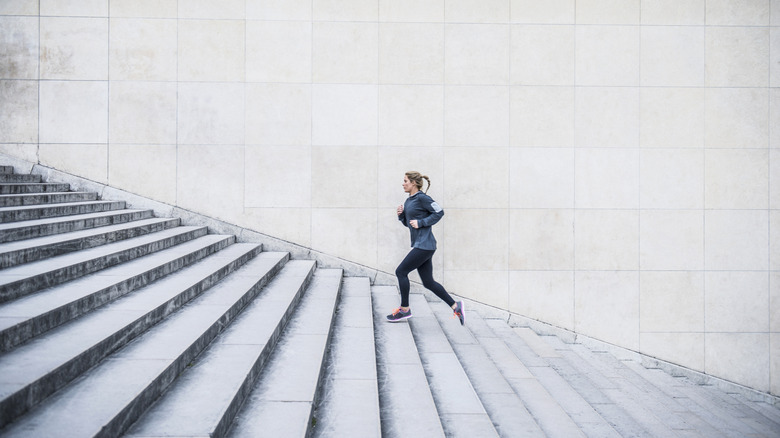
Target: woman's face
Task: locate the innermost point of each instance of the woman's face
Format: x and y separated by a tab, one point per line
408	185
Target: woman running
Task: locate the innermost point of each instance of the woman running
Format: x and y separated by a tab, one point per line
419	213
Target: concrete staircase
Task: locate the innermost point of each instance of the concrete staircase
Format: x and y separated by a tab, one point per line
116	323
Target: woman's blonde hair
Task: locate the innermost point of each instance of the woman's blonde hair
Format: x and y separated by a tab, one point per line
417	179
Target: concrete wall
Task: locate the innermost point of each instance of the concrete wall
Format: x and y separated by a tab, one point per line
611	167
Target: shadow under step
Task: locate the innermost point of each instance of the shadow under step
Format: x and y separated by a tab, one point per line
29	316
129	380
31	250
349	405
31	277
15	231
21	188
32	212
406	404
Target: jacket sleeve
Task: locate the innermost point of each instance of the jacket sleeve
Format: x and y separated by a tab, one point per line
402	218
436	212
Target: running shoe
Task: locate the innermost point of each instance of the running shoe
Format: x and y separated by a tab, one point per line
460	312
399	315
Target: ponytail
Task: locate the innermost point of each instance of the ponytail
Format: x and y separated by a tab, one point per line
429	184
417	179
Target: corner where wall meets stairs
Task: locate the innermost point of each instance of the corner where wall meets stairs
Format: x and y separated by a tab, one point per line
121	317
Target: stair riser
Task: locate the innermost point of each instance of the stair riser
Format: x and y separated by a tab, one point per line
141	403
16	178
29	285
43	198
6	169
28	255
18	189
247	386
23	233
21	401
22	332
61	210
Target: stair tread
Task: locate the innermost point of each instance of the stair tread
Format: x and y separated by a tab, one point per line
30	187
31	361
212	387
293	371
459	406
708	418
27	270
350	402
62	204
697	419
659	415
148	363
549	414
75	236
46	198
572	402
61	219
27	308
507	412
24	195
406	404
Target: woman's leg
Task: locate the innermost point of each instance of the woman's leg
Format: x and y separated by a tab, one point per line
426	274
412	261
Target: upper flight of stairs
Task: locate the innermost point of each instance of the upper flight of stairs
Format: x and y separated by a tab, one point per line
114	322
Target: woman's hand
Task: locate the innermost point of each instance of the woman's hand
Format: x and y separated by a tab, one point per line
400	209
413	223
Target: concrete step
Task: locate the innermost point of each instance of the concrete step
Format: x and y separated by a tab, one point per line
589	384
590	422
283	399
16	200
406	403
127	382
20	188
504	407
30	229
31	250
516	367
460	409
19	178
35	370
24	279
684	407
709	417
657	415
204	400
29	316
33	212
349	405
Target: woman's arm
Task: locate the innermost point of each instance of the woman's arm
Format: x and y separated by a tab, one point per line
401	214
435	210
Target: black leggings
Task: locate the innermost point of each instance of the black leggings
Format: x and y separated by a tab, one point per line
420	259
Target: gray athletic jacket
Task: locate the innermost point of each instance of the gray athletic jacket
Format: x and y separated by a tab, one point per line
427	212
